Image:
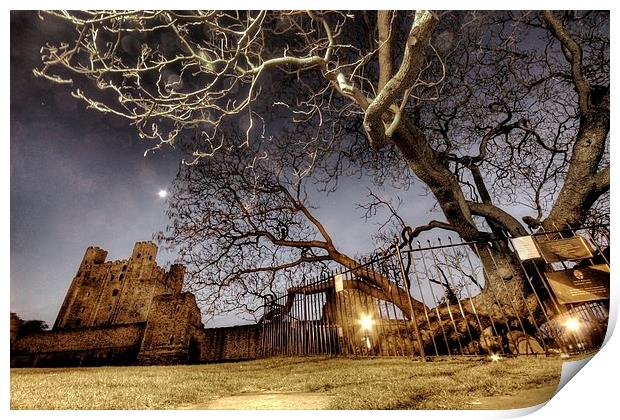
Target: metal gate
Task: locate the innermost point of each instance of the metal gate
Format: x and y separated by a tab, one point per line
444	299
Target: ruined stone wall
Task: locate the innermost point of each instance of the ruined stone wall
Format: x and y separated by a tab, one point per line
241	342
172	331
129	312
117	292
110	345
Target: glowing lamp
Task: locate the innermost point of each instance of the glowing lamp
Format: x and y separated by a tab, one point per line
495	358
366	322
572	324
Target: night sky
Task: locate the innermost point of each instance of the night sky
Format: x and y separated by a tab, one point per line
79	178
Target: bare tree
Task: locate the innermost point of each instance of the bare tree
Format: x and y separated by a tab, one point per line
245	226
485	109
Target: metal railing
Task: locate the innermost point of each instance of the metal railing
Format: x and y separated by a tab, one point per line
438	299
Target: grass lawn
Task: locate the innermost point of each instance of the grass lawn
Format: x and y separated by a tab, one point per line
385	383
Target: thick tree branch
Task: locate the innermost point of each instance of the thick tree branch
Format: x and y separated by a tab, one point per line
394	293
499	216
404	79
279	267
283	242
601	181
428	165
385	20
573	53
328	285
583	184
409	234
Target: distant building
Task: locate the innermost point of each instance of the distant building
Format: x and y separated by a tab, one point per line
128	312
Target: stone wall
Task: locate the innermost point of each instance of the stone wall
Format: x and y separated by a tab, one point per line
140	343
241	342
172	331
112	345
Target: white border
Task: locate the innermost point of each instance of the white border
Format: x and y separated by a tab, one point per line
592	394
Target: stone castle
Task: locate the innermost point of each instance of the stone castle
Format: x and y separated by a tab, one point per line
129	312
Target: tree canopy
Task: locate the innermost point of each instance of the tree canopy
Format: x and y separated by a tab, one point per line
486	109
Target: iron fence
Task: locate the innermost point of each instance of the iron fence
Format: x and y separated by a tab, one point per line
439	299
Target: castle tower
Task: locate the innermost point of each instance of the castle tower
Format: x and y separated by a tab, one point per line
139	285
116	292
117	312
93	255
71	309
16	323
143	251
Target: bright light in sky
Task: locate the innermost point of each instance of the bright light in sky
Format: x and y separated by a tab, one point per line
162	193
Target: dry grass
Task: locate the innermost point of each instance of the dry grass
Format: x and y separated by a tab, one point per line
355	384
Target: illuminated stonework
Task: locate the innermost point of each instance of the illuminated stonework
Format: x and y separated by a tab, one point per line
129	312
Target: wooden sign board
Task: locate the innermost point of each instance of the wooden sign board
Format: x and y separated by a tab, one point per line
580	284
569	249
526	248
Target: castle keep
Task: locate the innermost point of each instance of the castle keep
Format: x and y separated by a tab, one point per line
129	312
116	292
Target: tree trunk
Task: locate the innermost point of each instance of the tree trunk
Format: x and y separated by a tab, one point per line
583	184
505	315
